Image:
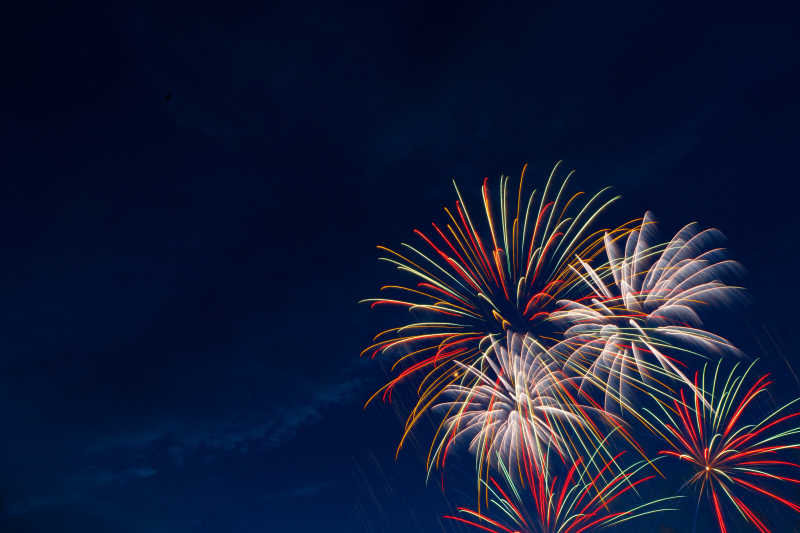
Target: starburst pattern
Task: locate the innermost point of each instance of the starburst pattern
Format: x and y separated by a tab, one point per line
733	448
576	503
516	402
640	315
475	281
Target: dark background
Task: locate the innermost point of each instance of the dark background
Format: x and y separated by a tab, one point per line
191	196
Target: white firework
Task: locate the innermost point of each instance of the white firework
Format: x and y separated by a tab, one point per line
643	311
515	403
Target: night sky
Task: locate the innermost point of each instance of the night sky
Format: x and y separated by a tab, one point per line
191	198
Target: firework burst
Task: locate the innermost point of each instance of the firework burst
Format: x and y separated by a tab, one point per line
543	503
517	403
641	311
475	281
730	453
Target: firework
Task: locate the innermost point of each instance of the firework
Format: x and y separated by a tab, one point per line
641	311
732	454
516	402
543	503
476	280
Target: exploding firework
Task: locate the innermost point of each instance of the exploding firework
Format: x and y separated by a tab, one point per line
730	453
543	503
641	311
516	403
474	282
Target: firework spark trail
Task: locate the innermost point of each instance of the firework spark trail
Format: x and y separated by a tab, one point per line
641	313
731	452
543	503
474	282
516	403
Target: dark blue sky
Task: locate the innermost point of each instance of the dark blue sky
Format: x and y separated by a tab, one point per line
191	197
